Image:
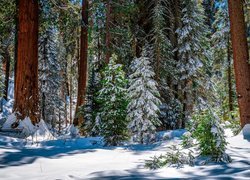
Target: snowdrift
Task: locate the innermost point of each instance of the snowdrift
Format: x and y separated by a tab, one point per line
70	132
41	133
10	120
242	140
37	133
246	132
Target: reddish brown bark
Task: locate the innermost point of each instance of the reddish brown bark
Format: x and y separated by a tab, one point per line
26	82
108	36
82	81
240	55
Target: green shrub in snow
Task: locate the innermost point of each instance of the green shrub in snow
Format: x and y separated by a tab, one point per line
210	136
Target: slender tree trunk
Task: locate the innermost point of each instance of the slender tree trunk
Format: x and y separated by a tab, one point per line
26	83
6	69
66	94
71	92
16	41
82	81
240	55
176	16
229	75
43	107
108	36
158	59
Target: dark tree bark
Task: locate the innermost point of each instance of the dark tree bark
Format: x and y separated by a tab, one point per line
16	40
82	81
240	55
108	36
6	68
26	82
229	76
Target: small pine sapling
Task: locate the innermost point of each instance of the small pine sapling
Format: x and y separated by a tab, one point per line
174	157
210	135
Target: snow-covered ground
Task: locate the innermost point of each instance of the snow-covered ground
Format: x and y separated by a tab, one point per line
86	158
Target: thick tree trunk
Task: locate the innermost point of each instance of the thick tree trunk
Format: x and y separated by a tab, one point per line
240	55
26	83
82	81
108	36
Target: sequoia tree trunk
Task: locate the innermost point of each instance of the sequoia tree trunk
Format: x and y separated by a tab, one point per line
82	81
26	82
240	55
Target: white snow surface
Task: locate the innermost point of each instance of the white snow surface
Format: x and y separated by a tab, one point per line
27	127
86	158
41	133
37	133
246	132
10	120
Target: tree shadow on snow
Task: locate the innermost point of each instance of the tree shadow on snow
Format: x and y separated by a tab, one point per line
128	174
54	149
25	155
221	171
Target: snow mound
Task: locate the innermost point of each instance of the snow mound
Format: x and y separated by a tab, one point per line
242	140
72	132
37	133
10	120
27	127
246	132
41	133
171	134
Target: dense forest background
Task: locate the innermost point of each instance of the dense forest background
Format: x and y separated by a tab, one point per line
95	57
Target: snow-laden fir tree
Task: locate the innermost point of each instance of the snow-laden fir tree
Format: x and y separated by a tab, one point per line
222	64
90	109
161	47
221	36
164	65
113	103
143	108
49	78
191	45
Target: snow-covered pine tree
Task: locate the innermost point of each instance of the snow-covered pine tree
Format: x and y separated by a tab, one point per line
113	103
90	110
221	36
143	108
190	49
52	104
49	78
222	65
164	65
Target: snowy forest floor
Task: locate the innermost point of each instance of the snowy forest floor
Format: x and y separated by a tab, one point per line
86	158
